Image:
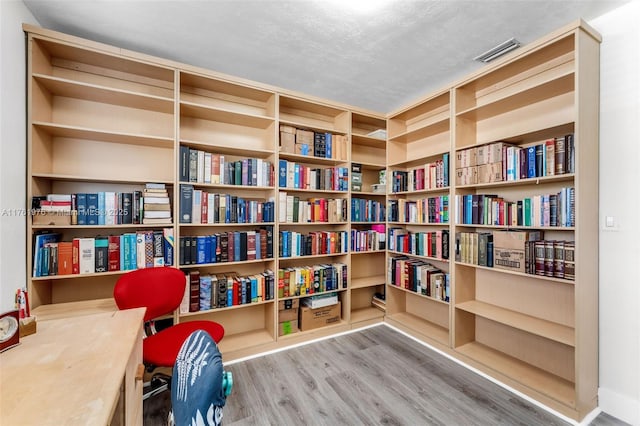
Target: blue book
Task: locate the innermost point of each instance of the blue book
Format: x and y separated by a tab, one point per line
254	289
230	296
445	165
284	236
214	248
123	243
92	209
132	255
200	249
468	209
168	242
101	208
328	141
207	248
282	174
258	240
296	176
531	162
81	205
40	241
205	292
236	247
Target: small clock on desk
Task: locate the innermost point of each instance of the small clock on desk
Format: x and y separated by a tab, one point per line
9	330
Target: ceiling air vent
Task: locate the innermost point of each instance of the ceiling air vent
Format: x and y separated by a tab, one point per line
498	51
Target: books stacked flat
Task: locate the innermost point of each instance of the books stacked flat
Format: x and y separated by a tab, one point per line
156	204
378	301
320	301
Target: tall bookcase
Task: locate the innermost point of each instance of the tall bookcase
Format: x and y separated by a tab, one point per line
418	171
103	119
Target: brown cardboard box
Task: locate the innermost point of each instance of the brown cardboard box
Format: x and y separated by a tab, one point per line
467	176
303	149
288	304
287	142
490	173
304	137
492	153
508	249
320	317
287	327
287	129
51	218
466	158
288	315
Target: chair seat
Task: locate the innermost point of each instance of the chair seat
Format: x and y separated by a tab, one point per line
161	349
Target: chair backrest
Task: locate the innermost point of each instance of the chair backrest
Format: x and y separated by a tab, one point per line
160	290
197	391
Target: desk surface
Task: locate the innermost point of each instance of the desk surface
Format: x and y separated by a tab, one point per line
70	371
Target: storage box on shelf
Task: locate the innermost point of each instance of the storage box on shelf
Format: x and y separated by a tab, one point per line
532	122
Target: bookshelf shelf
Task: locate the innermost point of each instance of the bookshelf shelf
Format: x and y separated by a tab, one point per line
519	274
313	191
421	326
419	224
568	177
425	297
516	227
362	252
366	314
313	115
511	369
438	124
311	256
368	142
65	277
228	308
302	296
362	282
106	227
417	256
239	151
239	341
75	132
234	188
223	264
225	225
91	179
309	159
203	112
537	326
312	223
421	191
325	330
95	93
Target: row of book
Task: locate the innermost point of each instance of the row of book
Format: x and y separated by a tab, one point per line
433	244
198	206
419	277
556	209
425	210
199	166
231	246
501	161
295	244
292	209
364	210
367	240
148	206
298	176
534	255
206	291
304	280
430	176
129	251
312	143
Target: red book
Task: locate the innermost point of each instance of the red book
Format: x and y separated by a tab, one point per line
75	256
114	252
65	258
236	291
205	208
251	245
194	291
230	246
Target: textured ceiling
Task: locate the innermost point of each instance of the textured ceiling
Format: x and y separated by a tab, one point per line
378	60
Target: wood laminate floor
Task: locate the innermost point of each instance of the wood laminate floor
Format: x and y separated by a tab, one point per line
375	376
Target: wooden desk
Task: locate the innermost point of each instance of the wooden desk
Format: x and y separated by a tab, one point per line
78	370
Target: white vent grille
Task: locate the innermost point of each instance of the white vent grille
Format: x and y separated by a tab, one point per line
498	51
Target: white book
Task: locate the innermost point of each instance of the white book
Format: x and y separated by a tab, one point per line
207	167
184	303
140	251
289	209
210	207
196	211
260	172
200	168
87	255
291	172
282	207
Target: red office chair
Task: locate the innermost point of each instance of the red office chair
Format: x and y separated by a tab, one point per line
160	290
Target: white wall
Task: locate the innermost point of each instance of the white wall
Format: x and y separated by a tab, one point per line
12	149
619	393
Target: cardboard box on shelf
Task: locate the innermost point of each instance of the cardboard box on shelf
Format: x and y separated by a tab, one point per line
508	248
287	327
466	158
288	304
488	173
287	315
467	176
287	142
316	318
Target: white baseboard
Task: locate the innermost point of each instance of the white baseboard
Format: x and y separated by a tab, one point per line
620	406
